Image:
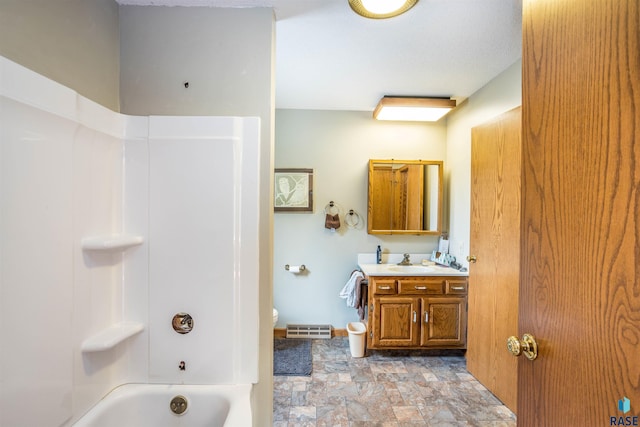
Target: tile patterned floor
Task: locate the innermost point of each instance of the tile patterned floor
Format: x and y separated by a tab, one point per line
390	388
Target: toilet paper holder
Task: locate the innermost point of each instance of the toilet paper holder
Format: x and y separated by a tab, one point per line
293	267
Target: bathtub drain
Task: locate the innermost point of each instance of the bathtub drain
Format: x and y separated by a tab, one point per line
178	405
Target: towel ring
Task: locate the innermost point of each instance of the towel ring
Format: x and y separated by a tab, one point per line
332	208
352	219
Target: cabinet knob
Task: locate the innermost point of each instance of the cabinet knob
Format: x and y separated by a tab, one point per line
471	258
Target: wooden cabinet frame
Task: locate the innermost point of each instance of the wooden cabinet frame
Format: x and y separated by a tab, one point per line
417	312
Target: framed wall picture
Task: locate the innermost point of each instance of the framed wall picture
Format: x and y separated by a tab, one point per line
293	190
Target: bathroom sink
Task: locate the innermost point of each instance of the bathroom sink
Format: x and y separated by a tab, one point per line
411	269
367	264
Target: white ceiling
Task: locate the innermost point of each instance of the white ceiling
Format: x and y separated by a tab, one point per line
329	58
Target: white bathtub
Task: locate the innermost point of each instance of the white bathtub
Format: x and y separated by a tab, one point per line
147	405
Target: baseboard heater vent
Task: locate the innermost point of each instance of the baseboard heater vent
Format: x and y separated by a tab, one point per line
309	331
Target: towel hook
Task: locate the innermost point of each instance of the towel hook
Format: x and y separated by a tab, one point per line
332	208
352	219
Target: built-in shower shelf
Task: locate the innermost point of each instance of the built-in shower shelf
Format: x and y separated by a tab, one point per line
111	336
115	242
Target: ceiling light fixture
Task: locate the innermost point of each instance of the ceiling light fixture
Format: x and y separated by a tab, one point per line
413	108
379	9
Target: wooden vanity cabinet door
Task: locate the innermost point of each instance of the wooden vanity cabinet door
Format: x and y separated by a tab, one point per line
396	321
446	324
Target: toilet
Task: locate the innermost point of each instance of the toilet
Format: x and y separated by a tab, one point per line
275	317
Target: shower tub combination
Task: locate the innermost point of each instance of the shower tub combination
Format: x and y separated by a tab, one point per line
192	381
153	405
162	214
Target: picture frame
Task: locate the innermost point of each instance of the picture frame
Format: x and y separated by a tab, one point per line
293	190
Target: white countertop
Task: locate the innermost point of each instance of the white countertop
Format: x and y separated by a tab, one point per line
367	263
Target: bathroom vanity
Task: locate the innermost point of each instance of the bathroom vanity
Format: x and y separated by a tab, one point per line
416	307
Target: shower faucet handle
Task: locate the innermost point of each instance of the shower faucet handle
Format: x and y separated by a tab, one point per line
182	323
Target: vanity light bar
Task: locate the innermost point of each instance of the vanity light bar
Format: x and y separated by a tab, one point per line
413	108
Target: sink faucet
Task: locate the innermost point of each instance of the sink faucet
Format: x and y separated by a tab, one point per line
405	261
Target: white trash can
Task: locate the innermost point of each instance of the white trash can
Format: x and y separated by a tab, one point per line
357	331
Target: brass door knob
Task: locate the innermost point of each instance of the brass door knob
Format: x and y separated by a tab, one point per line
527	346
471	259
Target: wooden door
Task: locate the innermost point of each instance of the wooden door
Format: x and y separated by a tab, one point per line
580	258
495	242
443	322
400	200
381	191
415	203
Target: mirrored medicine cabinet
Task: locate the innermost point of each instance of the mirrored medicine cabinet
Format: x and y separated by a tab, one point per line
405	197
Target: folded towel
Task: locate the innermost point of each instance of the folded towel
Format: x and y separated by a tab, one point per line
332	222
348	292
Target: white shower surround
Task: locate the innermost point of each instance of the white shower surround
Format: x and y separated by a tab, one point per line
201	190
71	169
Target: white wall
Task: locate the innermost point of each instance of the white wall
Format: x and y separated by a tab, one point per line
337	145
224	53
501	94
74	42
